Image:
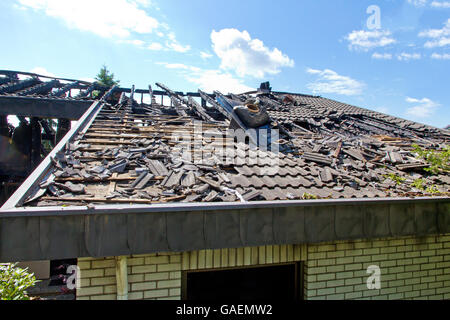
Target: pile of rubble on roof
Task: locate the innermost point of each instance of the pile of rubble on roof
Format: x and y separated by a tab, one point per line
328	150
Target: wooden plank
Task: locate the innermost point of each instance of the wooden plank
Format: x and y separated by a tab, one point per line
304	252
231	257
112	184
85	199
262	255
80	179
224	258
269	254
217	261
201	259
185	260
254	257
247	256
239	256
276	254
193	260
290	253
338	150
297	252
283	253
209	259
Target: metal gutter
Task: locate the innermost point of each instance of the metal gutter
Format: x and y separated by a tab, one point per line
105	209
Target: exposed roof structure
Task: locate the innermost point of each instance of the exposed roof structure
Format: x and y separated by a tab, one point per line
21	91
149	153
134	178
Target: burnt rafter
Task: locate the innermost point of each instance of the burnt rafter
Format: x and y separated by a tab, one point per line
19	85
4	80
86	92
177	101
63	90
212	102
41	88
199	109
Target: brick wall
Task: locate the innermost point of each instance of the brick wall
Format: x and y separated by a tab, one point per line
152	276
411	268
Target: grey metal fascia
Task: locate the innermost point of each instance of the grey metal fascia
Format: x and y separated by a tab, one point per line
88	233
103	209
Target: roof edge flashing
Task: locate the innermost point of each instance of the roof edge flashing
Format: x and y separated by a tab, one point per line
200	206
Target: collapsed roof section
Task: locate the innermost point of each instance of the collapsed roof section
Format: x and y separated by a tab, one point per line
260	145
27	94
27	84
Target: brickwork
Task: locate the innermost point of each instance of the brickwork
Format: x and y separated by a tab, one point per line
151	276
411	268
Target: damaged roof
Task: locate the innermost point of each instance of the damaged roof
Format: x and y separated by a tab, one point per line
139	153
32	85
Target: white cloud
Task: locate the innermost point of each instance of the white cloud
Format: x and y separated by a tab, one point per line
209	79
88	79
384	56
423	107
247	56
418	3
106	18
172	44
42	71
205	55
408	56
156	46
444	56
434	4
365	40
175	46
440	4
135	42
440	37
179	66
331	82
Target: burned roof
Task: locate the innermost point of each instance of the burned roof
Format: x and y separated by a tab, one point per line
32	85
301	147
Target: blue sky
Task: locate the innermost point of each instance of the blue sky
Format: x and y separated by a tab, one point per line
393	57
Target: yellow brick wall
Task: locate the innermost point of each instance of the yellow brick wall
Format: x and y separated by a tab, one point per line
411	268
151	276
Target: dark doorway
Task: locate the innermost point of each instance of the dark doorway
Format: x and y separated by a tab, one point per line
58	271
279	282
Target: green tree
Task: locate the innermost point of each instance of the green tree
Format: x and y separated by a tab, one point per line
14	282
106	78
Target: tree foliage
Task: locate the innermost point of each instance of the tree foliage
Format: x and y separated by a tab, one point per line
106	78
438	160
14	282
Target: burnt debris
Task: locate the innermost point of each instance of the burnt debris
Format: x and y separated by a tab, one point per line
189	152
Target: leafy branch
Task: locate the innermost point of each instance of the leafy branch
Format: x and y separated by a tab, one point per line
438	160
14	281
